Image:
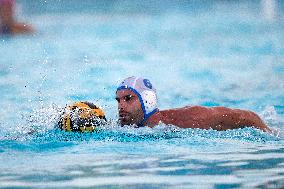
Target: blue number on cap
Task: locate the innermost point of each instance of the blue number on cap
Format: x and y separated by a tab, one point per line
147	83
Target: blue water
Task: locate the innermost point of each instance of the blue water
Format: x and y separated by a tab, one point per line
211	53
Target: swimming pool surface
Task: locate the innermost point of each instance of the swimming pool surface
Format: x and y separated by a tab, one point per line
211	53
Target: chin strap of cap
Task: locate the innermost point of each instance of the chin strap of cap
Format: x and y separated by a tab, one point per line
146	117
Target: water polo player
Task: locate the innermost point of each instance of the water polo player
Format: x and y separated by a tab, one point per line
137	105
81	116
8	23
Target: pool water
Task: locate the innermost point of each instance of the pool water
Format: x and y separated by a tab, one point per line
211	53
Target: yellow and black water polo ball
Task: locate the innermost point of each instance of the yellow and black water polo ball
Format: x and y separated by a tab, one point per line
82	116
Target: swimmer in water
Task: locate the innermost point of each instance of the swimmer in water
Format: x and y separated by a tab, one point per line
8	25
137	105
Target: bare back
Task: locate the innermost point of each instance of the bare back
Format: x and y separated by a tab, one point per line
217	118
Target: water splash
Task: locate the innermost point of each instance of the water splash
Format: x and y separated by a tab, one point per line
41	127
274	120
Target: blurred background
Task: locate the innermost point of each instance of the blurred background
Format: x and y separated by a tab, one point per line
222	52
195	52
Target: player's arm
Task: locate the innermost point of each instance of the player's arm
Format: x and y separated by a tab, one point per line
21	28
226	118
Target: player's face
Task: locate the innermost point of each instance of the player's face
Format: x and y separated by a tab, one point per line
129	107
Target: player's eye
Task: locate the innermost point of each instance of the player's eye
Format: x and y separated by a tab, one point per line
128	98
117	99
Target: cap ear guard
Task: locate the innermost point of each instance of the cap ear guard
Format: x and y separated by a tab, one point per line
149	100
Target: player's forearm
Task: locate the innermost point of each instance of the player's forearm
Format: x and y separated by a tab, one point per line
22	28
242	118
235	118
251	119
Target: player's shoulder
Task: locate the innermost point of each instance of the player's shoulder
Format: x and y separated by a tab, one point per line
208	110
196	108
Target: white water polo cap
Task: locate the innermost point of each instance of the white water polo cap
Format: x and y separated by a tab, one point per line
146	93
